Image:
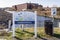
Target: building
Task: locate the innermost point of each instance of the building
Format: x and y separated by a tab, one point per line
26	6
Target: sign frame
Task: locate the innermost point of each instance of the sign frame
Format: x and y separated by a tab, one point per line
35	28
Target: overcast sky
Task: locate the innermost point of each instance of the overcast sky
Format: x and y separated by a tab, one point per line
9	3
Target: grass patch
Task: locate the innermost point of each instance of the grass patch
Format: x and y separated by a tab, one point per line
29	33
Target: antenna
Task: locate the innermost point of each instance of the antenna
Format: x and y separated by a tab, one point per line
30	2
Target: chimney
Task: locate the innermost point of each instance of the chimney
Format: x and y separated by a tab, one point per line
16	7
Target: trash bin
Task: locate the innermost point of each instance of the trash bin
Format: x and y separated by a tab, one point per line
48	27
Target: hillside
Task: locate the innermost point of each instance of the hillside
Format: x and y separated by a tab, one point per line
4	17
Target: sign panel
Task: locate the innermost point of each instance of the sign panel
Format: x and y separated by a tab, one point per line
53	11
24	17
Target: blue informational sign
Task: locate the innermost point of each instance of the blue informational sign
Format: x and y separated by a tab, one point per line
24	17
53	11
24	22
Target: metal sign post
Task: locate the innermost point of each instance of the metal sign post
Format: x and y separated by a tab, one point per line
13	27
35	24
59	24
53	13
22	27
9	25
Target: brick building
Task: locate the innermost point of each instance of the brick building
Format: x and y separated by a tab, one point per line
26	6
